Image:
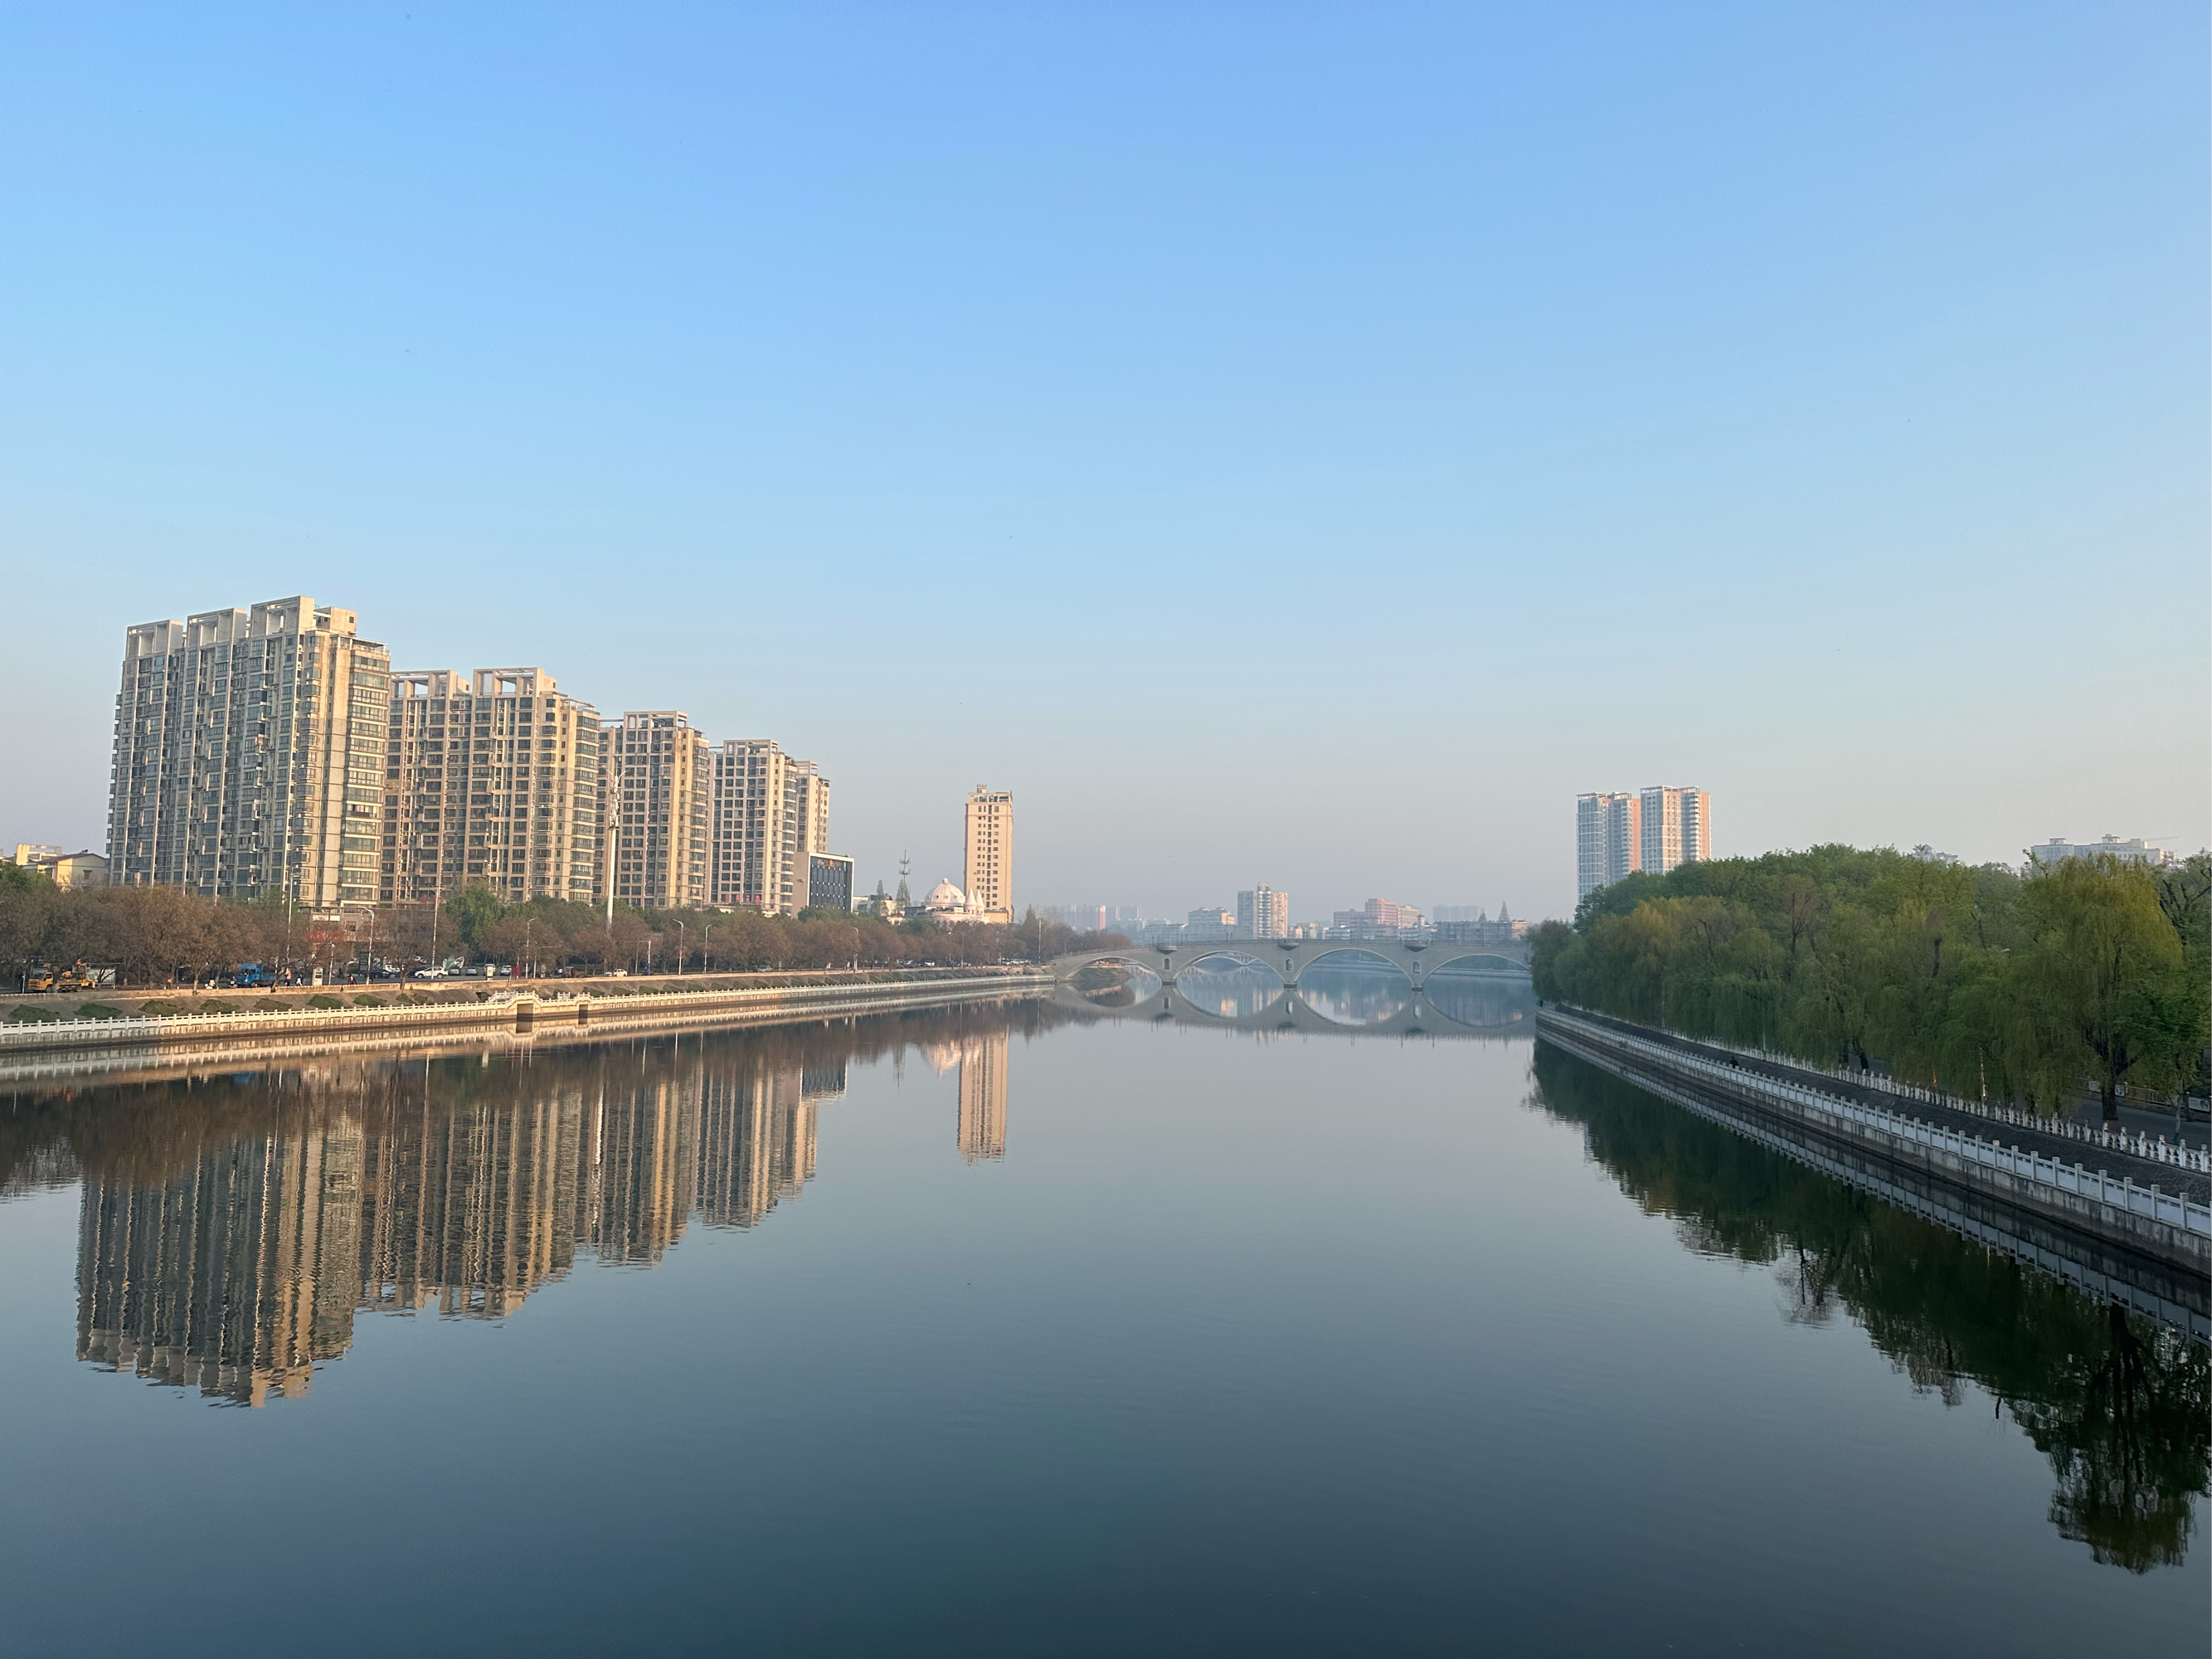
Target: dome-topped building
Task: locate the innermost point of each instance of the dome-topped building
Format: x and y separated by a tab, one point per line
947	904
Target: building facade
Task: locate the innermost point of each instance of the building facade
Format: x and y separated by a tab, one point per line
1210	921
989	866
250	755
82	869
1263	912
1677	829
828	882
1608	841
494	779
657	780
2137	851
771	815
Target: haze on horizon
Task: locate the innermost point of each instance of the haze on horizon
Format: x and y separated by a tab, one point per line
1301	445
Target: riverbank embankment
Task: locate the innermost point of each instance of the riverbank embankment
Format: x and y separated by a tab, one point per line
68	1046
2122	1214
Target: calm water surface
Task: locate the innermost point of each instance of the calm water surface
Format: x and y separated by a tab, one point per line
1001	1330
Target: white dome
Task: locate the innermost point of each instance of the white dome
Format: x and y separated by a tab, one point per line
945	896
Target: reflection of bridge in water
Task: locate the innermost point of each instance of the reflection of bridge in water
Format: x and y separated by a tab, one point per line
1329	987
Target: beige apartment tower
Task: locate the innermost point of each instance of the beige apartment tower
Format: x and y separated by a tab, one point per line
988	868
491	779
1608	840
771	815
1677	829
658	779
1263	912
250	755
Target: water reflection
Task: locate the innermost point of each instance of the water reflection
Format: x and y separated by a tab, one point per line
981	1058
1355	987
2122	1407
233	1228
1115	984
1485	1001
1229	987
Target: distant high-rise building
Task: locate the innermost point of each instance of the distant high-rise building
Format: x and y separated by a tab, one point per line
1608	841
658	783
1677	829
771	815
989	865
1263	912
250	755
1210	921
490	779
983	1097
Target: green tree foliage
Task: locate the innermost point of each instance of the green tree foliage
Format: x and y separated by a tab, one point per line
1978	980
164	936
2122	1409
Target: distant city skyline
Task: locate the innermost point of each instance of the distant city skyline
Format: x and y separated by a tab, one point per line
1135	409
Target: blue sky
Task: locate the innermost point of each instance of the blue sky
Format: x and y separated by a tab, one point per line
1294	443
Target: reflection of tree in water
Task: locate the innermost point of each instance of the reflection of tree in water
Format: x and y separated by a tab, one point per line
150	1130
1115	984
2122	1407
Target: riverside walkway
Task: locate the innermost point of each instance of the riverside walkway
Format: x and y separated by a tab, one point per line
2124	1216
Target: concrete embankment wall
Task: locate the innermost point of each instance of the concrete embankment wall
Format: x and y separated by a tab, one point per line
2103	1221
29	1049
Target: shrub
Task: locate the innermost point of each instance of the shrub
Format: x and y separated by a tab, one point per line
214	1007
368	1002
98	1010
324	1000
31	1011
159	1009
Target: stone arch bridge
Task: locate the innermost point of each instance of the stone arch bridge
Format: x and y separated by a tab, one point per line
1419	1013
1291	958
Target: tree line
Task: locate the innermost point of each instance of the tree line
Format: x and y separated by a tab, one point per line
2122	1409
162	936
1990	983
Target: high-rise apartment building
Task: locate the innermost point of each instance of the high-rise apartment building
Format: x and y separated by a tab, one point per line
657	779
1608	840
250	755
771	815
493	780
989	865
1263	912
1676	829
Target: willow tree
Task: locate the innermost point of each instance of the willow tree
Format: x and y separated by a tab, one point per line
2104	972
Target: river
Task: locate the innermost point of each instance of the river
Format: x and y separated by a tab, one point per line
1015	1328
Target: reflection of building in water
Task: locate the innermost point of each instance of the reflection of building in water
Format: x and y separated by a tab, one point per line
639	1169
474	1208
756	1145
983	1097
235	1277
457	1186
